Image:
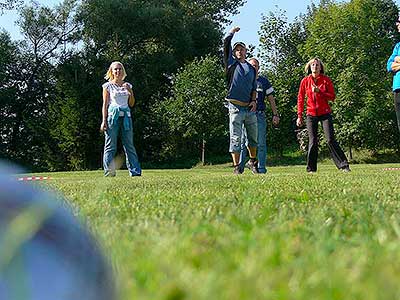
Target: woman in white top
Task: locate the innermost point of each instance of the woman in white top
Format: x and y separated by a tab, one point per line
117	98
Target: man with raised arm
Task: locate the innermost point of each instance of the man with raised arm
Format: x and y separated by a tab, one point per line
241	101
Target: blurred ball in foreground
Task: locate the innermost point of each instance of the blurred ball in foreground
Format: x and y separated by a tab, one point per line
45	253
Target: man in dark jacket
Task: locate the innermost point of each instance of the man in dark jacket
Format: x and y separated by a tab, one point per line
241	99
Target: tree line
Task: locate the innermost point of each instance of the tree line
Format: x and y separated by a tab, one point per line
50	94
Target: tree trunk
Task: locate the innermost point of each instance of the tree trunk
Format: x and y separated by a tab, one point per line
350	153
203	152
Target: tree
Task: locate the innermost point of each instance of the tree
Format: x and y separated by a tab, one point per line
75	115
31	78
7	91
9	5
153	39
354	40
194	114
282	63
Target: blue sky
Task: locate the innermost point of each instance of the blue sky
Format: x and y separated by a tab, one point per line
250	15
248	19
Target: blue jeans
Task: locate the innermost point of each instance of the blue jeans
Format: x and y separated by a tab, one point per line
262	143
241	117
110	149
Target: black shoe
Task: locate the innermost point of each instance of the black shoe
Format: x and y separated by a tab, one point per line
237	170
346	169
252	165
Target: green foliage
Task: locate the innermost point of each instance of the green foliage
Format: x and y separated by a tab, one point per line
46	29
194	112
7	90
354	39
29	83
202	234
52	92
283	66
363	105
10	4
153	39
75	115
26	92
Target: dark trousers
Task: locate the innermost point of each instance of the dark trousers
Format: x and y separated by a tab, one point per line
337	153
397	106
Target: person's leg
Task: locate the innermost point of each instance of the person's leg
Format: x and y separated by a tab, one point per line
262	142
110	148
236	118
312	155
250	124
337	153
243	149
132	160
397	107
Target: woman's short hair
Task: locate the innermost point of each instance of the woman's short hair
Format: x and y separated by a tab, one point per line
307	68
109	75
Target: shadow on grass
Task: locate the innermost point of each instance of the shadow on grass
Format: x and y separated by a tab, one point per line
275	159
385	157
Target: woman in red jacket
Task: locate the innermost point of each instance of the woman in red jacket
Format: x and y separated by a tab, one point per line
319	90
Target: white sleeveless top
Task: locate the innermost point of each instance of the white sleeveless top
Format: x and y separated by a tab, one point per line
119	95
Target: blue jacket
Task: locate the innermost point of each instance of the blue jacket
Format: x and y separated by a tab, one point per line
396	76
241	85
113	112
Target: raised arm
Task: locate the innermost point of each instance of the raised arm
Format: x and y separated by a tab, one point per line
228	57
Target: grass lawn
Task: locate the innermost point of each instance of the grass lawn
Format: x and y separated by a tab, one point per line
207	234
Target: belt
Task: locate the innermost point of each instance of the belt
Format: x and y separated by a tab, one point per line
237	102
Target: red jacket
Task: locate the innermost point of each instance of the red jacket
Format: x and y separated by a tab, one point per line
317	103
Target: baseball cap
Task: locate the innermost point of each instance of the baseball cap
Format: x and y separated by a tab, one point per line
239	44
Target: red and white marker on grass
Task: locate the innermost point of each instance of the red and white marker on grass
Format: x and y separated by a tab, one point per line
391	169
33	178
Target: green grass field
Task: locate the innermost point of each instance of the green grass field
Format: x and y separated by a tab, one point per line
206	234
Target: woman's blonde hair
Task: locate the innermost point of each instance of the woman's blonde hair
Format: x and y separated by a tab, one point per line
307	68
109	75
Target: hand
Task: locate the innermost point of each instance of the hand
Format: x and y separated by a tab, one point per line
275	120
397	59
299	122
126	86
253	106
234	29
315	89
103	126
